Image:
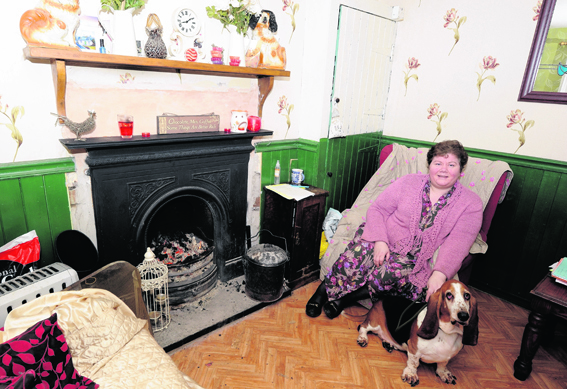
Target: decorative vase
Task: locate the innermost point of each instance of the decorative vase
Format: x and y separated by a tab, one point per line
124	42
236	46
239	121
252	59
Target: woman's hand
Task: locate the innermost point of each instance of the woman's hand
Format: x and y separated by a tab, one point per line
381	252
435	281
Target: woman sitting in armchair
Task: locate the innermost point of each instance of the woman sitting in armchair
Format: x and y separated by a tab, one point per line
391	252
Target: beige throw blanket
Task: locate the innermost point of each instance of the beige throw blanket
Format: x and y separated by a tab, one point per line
108	343
480	175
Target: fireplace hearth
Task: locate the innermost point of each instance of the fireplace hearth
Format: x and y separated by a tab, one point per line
176	182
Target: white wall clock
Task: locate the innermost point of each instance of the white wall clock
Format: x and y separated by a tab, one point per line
186	22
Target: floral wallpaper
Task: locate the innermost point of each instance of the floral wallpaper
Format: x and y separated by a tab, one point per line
291	8
488	63
285	106
452	18
12	116
456	83
515	120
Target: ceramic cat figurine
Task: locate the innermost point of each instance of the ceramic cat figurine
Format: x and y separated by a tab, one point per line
51	23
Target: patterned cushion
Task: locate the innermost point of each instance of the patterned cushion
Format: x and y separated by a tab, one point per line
40	358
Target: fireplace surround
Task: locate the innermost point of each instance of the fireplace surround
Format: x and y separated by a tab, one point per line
192	181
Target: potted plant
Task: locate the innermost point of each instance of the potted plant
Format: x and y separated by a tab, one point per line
121	5
235	20
236	15
124	42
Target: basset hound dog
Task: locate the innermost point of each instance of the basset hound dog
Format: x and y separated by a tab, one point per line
439	332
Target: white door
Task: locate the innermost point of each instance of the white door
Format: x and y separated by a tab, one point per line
363	63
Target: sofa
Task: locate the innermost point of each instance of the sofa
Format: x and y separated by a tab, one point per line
83	339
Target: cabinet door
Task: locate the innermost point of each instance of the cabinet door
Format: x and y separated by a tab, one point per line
306	240
278	221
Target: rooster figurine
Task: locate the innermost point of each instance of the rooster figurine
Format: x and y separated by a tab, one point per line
78	128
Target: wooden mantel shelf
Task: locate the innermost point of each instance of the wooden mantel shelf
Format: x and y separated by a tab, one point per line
60	58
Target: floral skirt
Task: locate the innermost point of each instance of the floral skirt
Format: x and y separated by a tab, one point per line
355	269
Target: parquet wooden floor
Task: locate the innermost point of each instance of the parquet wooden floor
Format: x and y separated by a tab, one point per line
281	347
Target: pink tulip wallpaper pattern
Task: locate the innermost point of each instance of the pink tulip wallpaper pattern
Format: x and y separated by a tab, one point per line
413	63
285	106
488	63
516	122
290	8
488	66
452	18
435	111
12	116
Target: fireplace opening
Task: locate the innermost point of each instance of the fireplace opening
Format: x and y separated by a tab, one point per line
181	234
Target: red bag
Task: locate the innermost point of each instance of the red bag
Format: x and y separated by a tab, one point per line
19	256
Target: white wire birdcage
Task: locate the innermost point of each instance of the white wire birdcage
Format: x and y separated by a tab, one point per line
154	290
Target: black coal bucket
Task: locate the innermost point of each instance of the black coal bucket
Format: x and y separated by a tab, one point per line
264	270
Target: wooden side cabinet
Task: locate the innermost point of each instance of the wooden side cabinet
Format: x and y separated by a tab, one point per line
301	224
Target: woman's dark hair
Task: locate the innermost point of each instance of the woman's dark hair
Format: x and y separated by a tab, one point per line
448	147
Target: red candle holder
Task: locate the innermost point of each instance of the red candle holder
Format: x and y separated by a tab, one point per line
254	123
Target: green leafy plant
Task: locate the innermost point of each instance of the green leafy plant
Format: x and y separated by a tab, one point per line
121	5
236	15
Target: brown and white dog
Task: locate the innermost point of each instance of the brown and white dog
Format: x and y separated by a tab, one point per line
267	50
437	334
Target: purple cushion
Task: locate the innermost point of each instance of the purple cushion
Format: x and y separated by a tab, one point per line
40	358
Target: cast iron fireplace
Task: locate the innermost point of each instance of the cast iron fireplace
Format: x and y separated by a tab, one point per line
194	182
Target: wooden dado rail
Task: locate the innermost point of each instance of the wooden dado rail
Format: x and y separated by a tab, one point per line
60	58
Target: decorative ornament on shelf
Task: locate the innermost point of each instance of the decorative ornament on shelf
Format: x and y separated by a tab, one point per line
239	121
186	22
155	47
191	54
124	42
176	45
78	128
216	55
51	24
264	49
155	293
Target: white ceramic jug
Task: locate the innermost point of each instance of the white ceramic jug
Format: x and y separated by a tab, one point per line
124	42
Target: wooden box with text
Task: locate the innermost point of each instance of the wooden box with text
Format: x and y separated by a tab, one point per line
183	124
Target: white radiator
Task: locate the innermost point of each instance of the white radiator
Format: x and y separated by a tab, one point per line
49	279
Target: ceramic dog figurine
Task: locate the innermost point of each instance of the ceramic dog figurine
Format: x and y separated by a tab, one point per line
265	51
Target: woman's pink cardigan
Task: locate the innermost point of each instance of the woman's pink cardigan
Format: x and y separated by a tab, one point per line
394	218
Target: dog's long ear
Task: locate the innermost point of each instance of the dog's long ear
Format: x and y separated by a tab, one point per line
430	325
470	332
273	25
253	21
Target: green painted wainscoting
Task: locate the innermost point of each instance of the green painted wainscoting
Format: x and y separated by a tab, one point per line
527	234
33	196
